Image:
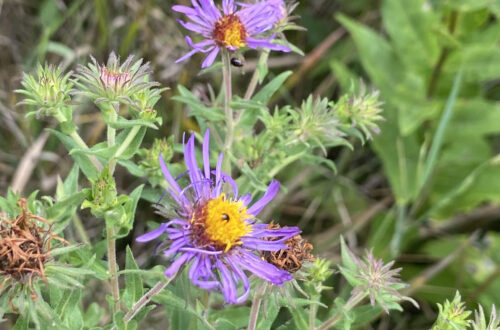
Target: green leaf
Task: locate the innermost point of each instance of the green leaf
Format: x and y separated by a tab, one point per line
237	317
411	26
402	88
197	108
347	257
82	160
479	62
266	92
133	281
438	137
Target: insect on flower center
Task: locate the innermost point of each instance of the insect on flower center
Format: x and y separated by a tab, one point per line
221	222
229	31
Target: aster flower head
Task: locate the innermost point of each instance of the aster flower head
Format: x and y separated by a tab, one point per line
114	81
216	231
237	26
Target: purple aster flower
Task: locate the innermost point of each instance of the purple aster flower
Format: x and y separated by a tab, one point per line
233	28
216	232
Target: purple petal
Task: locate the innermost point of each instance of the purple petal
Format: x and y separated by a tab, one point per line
272	190
256	43
192	26
169	177
209	60
201	251
234	186
174	247
228	286
246	284
262	245
184	10
196	271
206	154
262	269
218	181
262	230
152	234
178	263
246	199
192	166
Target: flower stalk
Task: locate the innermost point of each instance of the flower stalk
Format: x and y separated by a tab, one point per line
145	299
226	74
256	303
353	301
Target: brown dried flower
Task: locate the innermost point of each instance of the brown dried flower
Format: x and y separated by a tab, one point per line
291	259
24	247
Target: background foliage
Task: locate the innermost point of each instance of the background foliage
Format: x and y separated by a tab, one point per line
424	192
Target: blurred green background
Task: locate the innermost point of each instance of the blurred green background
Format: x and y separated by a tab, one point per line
425	192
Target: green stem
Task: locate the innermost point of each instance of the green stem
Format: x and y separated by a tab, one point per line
255	77
350	304
77	138
111	134
130	137
256	302
312	312
115	289
226	75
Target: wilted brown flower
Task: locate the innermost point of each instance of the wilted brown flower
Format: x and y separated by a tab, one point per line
291	259
24	247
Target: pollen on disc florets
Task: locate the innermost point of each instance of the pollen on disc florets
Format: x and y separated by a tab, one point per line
229	31
220	222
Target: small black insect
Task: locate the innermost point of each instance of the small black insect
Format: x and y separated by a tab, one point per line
225	217
236	62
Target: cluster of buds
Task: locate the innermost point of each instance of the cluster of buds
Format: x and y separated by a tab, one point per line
315	123
452	315
25	247
49	90
361	111
371	278
149	159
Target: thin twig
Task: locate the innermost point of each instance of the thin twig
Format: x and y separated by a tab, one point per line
145	299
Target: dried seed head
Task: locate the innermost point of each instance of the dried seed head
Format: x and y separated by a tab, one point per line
24	247
291	259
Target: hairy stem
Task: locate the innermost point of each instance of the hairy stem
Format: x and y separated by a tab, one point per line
312	312
256	302
130	137
226	75
115	289
350	304
255	77
145	299
111	135
77	138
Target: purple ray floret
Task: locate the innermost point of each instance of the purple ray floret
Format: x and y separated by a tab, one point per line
238	25
214	265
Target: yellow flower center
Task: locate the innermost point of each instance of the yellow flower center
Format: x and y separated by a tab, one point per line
221	222
229	31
